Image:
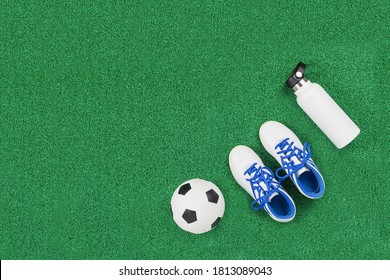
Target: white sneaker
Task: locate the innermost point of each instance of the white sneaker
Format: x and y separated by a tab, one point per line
294	158
258	180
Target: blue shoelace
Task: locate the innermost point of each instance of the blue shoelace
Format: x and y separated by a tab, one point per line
261	174
287	151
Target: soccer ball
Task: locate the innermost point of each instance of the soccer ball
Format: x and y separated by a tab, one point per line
197	206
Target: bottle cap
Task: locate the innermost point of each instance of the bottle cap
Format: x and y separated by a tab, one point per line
297	75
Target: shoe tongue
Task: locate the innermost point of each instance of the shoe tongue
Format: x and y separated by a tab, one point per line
272	196
264	187
301	170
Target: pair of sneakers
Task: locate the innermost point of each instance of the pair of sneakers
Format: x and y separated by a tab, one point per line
260	182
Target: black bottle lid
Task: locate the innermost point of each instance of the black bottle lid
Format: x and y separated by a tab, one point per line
297	74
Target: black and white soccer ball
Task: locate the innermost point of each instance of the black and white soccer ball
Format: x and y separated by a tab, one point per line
197	206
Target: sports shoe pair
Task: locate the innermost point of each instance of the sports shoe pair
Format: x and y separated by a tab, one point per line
260	182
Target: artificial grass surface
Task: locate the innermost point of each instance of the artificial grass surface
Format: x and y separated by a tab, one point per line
105	108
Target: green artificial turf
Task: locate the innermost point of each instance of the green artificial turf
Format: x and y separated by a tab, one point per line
107	107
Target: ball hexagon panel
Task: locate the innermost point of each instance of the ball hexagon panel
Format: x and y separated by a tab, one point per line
184	189
189	216
212	196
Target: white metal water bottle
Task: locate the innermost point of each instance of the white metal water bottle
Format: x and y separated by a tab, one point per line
322	109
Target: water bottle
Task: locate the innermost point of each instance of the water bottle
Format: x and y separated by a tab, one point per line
322	109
